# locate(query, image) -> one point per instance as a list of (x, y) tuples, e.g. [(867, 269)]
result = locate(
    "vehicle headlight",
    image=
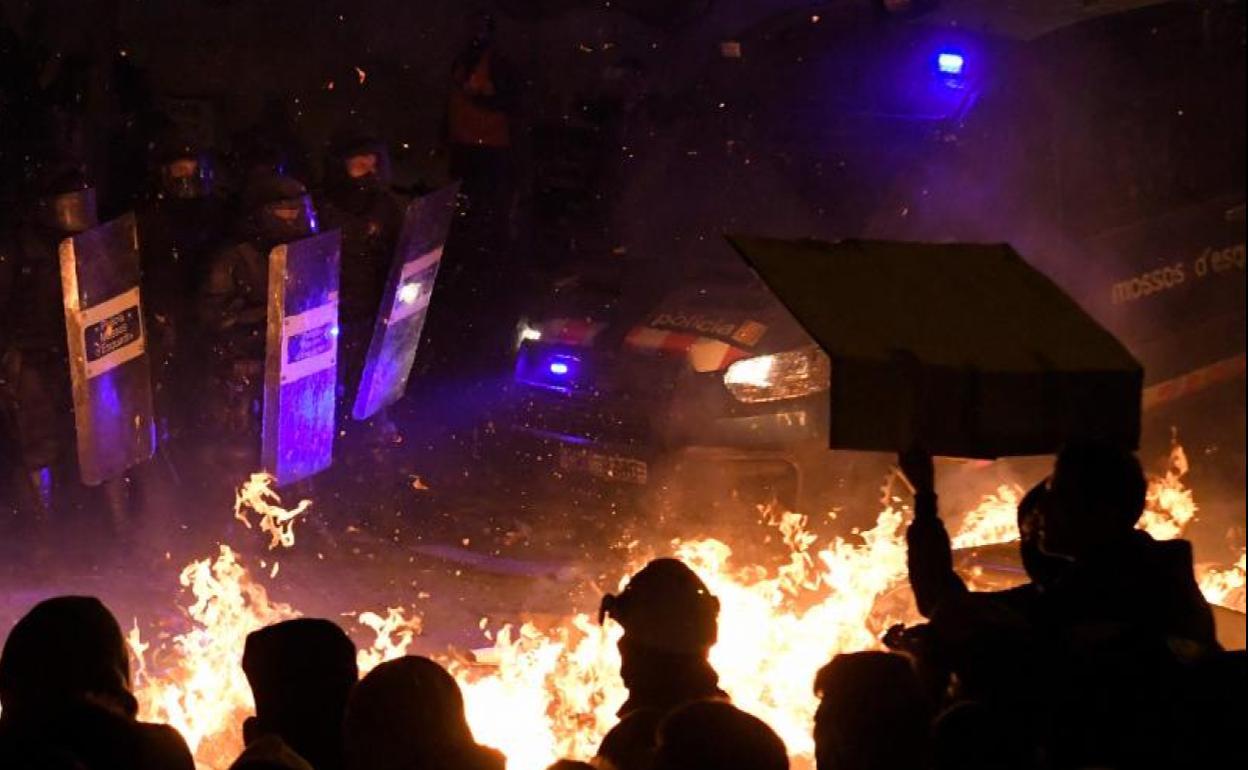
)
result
[(526, 333), (776, 377)]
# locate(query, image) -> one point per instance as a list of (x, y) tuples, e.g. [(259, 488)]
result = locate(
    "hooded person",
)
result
[(872, 715), (301, 673), (670, 620), (1126, 625), (1118, 573), (713, 735), (65, 691), (408, 714), (929, 552)]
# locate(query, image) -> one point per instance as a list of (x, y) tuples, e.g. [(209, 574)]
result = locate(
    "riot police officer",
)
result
[(357, 200), (180, 221), (34, 368), (233, 301)]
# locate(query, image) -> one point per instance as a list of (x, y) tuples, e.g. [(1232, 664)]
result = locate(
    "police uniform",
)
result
[(178, 224), (369, 218), (233, 301), (34, 367)]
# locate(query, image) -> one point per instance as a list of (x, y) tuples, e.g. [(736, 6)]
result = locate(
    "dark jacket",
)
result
[(933, 580), (35, 316), (1138, 583), (370, 224), (92, 737), (233, 303)]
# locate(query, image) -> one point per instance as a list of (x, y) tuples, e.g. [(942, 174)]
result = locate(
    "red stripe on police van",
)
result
[(1194, 381)]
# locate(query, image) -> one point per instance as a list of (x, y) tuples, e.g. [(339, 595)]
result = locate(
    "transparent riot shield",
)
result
[(396, 334), (112, 388), (301, 358)]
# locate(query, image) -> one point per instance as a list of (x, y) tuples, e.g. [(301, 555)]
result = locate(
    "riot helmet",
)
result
[(359, 162), (667, 608), (279, 209), (66, 203), (256, 153), (184, 170)]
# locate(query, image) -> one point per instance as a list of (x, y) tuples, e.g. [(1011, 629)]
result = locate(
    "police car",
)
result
[(706, 393), (951, 122)]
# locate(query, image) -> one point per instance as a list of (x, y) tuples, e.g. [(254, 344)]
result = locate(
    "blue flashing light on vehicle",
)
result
[(950, 63), (558, 371)]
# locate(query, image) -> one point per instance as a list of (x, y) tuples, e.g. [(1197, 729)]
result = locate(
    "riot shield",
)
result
[(409, 287), (301, 358), (109, 368)]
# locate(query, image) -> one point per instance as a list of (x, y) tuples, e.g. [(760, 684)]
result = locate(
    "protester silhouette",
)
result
[(1119, 574), (1090, 663), (670, 622), (873, 714), (65, 695), (301, 673), (713, 735), (929, 554), (408, 714)]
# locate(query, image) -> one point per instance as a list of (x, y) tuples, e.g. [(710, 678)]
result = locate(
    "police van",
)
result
[(1105, 141)]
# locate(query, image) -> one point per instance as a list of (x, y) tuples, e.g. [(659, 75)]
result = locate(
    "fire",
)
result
[(392, 635), (545, 692), (258, 495), (994, 520), (1169, 507), (196, 683), (561, 689), (1225, 587), (548, 694)]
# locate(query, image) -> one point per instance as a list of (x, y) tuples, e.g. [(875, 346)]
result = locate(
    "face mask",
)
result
[(186, 179), (71, 212)]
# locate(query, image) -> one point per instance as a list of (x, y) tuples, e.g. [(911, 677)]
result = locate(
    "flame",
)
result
[(543, 692), (196, 684), (257, 494), (550, 694), (1169, 506), (994, 520), (561, 689), (393, 634), (1225, 586)]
